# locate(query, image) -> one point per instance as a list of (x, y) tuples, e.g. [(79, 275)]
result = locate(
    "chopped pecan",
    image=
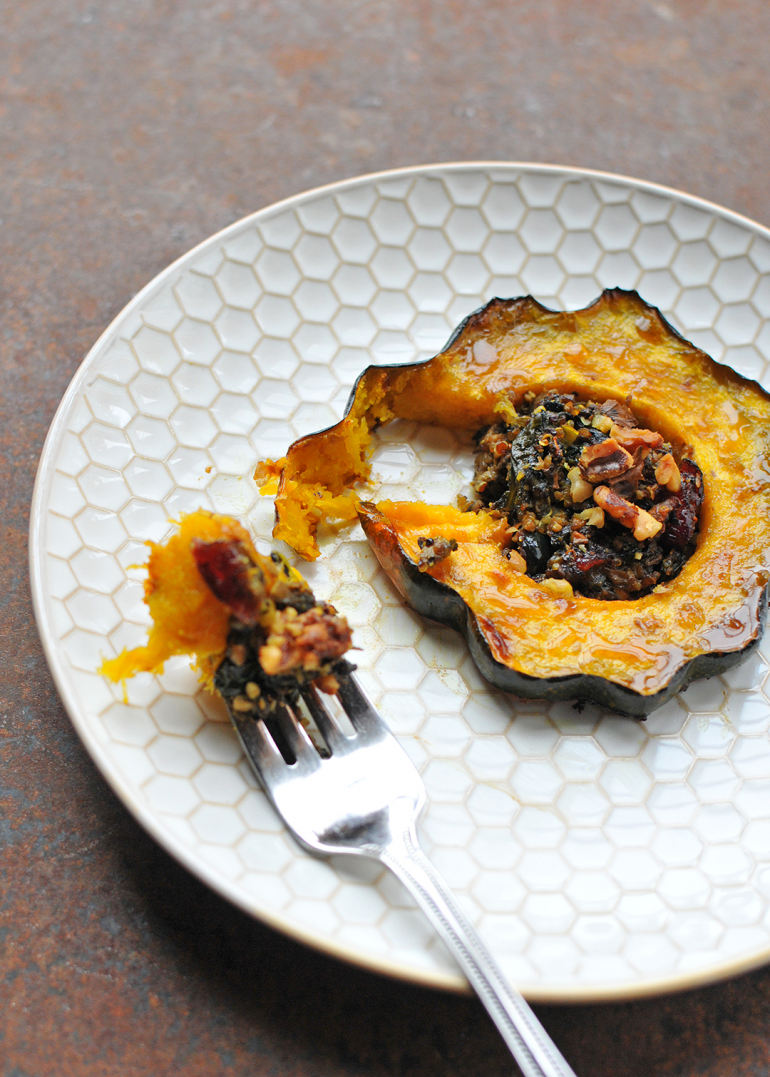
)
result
[(604, 460), (667, 473), (636, 438), (516, 560), (627, 484), (579, 489), (593, 516), (602, 422), (638, 520), (619, 412), (304, 640)]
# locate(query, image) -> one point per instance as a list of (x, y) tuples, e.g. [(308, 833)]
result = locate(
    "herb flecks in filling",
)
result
[(280, 639), (592, 496)]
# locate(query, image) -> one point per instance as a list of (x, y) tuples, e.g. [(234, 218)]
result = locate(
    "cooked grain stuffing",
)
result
[(254, 628), (592, 497), (281, 638)]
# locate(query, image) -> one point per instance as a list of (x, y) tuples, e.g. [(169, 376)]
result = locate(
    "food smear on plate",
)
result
[(252, 625), (624, 474)]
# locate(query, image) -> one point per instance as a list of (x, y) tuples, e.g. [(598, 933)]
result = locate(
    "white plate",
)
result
[(600, 857)]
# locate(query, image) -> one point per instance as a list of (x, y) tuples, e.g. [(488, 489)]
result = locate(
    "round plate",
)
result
[(600, 857)]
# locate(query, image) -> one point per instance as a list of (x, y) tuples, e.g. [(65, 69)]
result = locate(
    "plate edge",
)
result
[(565, 994)]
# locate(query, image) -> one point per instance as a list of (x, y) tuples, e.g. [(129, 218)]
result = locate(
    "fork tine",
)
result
[(297, 739), (260, 747), (369, 806), (330, 731), (364, 718)]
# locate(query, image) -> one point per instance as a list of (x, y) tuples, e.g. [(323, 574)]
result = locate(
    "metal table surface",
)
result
[(129, 132)]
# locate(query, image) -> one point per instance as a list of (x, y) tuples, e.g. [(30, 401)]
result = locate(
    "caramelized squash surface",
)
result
[(187, 618), (618, 348)]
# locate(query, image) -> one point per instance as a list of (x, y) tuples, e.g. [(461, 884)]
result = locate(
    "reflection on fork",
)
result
[(358, 793)]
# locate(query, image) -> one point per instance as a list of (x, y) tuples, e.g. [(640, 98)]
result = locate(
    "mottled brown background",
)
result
[(129, 131)]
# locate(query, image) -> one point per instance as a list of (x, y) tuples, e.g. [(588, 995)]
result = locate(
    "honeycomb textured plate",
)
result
[(599, 857)]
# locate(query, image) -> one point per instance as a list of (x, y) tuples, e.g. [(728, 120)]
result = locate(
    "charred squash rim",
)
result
[(740, 431)]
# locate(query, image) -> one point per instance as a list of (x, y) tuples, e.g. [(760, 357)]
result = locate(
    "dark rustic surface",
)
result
[(129, 132)]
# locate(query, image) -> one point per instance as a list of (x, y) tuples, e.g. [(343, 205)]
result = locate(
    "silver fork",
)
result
[(364, 800)]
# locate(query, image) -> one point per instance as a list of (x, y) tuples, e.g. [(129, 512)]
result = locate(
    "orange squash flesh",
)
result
[(187, 618), (543, 629), (700, 622)]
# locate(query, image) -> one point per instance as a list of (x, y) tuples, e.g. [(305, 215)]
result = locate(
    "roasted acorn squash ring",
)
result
[(532, 638)]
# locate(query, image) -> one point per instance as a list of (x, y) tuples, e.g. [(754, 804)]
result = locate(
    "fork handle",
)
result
[(530, 1044)]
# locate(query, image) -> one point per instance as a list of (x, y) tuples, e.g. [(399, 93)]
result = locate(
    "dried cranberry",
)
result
[(232, 576), (682, 523)]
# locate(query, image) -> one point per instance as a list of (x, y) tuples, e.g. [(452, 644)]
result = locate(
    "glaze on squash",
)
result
[(530, 637)]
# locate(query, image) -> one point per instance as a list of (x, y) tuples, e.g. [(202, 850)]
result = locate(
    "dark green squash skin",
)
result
[(439, 602), (436, 600)]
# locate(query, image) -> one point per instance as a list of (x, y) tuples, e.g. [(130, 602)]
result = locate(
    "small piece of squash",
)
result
[(533, 638), (187, 617)]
